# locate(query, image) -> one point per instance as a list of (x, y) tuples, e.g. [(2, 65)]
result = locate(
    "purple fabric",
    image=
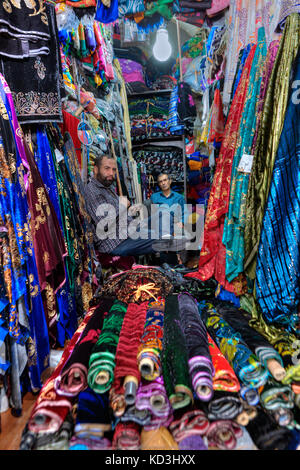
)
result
[(194, 442), (132, 71)]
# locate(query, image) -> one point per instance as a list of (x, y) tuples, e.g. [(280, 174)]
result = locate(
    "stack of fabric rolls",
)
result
[(153, 367)]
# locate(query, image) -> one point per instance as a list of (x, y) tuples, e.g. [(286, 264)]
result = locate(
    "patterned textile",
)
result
[(277, 288), (268, 140), (225, 378), (36, 82), (24, 29)]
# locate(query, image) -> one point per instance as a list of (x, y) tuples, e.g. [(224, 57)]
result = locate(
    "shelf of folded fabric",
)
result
[(148, 93), (147, 141)]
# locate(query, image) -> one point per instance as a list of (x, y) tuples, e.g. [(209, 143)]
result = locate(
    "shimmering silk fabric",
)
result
[(233, 237), (213, 252), (225, 378), (268, 139), (278, 258), (245, 364)]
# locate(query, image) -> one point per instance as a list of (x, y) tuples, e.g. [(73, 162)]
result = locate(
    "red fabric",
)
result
[(225, 378), (70, 124), (129, 341), (122, 262), (49, 404), (217, 126), (213, 252)]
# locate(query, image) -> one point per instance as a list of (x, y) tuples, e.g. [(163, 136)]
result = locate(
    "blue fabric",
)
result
[(278, 260), (107, 15)]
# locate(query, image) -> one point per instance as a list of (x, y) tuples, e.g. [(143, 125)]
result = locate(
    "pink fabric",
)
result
[(132, 71), (217, 6)]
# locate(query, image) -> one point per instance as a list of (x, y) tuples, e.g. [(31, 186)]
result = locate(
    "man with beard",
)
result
[(110, 217)]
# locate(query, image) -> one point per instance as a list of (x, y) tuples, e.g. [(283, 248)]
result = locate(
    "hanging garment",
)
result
[(245, 364), (233, 238), (107, 14), (200, 365), (224, 378), (74, 375), (50, 409), (277, 288), (24, 29), (35, 82), (175, 357), (150, 349), (268, 140), (213, 252), (126, 369), (102, 358)]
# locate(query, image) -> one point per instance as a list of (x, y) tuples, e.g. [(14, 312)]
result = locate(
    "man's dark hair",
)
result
[(98, 160)]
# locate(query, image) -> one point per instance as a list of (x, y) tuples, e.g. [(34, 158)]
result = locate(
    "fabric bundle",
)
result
[(199, 359), (50, 409), (224, 378), (152, 397), (237, 319), (245, 364), (275, 395), (175, 357), (93, 418), (138, 285), (150, 348), (158, 439), (224, 407), (127, 375), (126, 437), (141, 417), (102, 358), (223, 434), (189, 430), (74, 375)]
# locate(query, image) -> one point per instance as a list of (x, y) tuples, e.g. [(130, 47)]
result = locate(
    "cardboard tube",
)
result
[(157, 401), (203, 391), (130, 385), (242, 419), (146, 367), (276, 369), (102, 378)]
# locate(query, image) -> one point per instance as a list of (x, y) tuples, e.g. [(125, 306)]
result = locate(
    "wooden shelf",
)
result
[(149, 93)]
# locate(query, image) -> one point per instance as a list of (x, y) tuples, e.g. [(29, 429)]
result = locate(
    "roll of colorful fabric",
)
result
[(275, 395), (191, 423), (225, 378), (126, 369), (50, 409), (175, 357), (224, 407), (152, 397), (223, 434), (245, 364), (141, 417), (149, 360), (73, 378), (238, 319), (126, 437), (199, 359), (102, 358)]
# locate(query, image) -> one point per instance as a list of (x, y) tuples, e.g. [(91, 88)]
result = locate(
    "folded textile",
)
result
[(74, 375), (102, 358), (158, 439), (175, 357), (193, 442), (150, 348), (126, 436), (199, 359), (50, 409)]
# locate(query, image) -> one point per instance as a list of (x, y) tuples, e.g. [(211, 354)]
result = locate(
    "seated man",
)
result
[(114, 228)]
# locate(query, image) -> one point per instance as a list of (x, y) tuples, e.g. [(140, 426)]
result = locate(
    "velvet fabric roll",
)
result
[(199, 359), (223, 434), (158, 439), (50, 409), (126, 354), (224, 407), (102, 358), (225, 378), (276, 395), (175, 357), (152, 397), (149, 353), (73, 378), (192, 423), (193, 442), (141, 417), (126, 437), (245, 364), (93, 414)]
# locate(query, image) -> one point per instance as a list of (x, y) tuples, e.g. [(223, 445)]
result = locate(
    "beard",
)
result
[(105, 181)]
